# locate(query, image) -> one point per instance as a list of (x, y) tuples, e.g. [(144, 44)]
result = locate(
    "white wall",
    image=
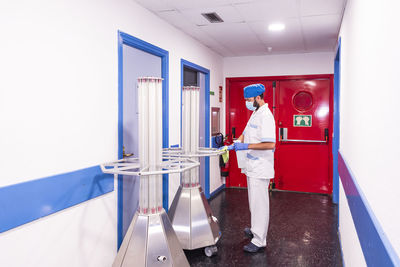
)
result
[(370, 93), (277, 65), (215, 173), (58, 107)]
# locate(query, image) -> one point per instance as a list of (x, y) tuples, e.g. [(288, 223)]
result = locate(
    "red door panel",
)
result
[(299, 165), (302, 165), (237, 119)]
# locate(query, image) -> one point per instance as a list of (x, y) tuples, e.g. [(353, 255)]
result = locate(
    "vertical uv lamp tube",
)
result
[(152, 131), (197, 132), (150, 153), (186, 131), (196, 171), (159, 145), (143, 144), (192, 129), (184, 137), (183, 134)]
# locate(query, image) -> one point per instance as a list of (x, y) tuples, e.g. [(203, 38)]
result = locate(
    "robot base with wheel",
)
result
[(190, 213), (193, 222)]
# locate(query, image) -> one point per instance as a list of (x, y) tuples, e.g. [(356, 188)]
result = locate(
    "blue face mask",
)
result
[(250, 106)]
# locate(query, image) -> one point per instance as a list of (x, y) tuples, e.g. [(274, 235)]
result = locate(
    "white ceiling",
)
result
[(311, 25)]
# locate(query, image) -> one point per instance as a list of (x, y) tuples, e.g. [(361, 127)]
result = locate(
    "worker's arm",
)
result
[(241, 138), (259, 146), (262, 146)]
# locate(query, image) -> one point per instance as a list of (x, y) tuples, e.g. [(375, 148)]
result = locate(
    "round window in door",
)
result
[(303, 101)]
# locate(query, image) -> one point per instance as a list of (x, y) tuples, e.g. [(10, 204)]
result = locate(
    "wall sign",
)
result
[(302, 120)]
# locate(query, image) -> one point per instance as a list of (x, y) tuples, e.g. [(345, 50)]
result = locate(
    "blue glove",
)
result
[(241, 146), (231, 147)]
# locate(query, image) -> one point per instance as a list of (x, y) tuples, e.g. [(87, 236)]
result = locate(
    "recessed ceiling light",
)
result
[(276, 27)]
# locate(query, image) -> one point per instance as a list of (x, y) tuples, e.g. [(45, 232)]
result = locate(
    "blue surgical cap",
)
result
[(253, 90)]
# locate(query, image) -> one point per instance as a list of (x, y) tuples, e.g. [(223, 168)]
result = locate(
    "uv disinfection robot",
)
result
[(150, 239), (190, 213)]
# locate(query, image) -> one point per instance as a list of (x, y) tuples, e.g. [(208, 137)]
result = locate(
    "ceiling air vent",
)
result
[(212, 17)]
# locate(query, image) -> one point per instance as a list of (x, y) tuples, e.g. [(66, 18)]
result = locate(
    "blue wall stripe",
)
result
[(185, 63), (25, 202), (375, 245), (124, 38)]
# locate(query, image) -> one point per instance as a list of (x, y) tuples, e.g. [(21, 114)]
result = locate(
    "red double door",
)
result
[(302, 107)]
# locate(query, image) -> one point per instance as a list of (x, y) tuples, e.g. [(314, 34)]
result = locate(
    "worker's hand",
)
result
[(241, 146)]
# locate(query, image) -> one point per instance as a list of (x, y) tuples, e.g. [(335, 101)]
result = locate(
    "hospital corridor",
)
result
[(177, 133)]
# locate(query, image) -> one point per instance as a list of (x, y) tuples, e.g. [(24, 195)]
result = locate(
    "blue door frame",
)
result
[(336, 125), (126, 39), (206, 72)]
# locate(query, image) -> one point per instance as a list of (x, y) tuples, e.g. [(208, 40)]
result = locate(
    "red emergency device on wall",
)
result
[(220, 141), (224, 166)]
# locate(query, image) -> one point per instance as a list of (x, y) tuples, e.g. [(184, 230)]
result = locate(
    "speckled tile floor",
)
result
[(302, 232)]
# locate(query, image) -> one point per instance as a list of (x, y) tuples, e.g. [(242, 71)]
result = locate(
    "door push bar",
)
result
[(283, 132)]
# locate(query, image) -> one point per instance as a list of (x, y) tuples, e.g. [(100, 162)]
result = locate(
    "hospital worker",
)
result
[(258, 143)]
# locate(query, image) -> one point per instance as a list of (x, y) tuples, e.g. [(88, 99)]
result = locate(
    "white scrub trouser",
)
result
[(259, 209)]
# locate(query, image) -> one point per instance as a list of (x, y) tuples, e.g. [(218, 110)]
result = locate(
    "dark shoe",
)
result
[(251, 248), (248, 233)]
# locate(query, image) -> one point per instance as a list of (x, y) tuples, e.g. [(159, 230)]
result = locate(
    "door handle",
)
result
[(326, 134), (233, 132), (283, 137), (124, 155)]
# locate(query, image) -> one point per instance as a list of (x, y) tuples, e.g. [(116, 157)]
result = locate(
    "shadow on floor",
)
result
[(302, 231)]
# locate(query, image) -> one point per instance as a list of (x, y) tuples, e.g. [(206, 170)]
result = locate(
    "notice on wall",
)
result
[(302, 120)]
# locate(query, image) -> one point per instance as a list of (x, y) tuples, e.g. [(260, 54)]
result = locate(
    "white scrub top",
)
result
[(260, 128)]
